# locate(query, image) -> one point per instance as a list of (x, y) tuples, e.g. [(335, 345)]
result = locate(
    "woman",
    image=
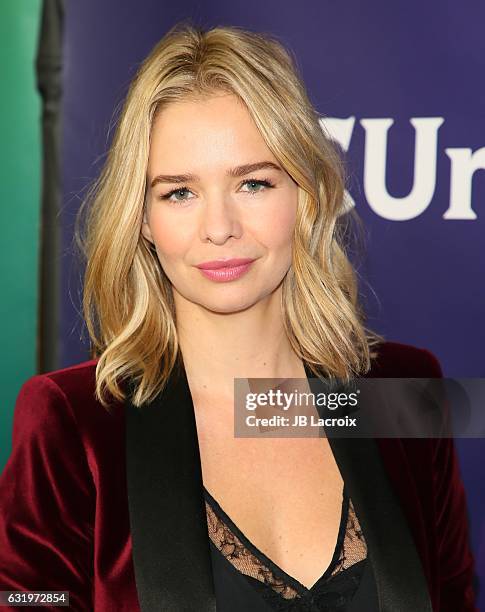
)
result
[(126, 485)]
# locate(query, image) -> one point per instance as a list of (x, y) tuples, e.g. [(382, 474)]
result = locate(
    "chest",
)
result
[(284, 494)]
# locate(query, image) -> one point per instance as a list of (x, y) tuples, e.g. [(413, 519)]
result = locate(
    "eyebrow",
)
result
[(233, 172)]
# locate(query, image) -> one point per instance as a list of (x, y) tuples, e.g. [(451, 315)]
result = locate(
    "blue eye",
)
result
[(168, 196), (258, 183)]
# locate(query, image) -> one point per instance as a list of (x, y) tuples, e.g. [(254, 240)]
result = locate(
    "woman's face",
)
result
[(205, 203)]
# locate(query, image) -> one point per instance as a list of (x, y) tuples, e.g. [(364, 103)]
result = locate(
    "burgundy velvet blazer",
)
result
[(109, 506)]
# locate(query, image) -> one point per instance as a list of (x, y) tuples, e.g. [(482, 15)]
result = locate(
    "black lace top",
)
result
[(246, 579)]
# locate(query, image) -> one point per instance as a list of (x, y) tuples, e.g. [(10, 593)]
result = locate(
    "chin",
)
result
[(228, 306)]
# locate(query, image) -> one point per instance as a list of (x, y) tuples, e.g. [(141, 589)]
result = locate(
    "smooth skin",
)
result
[(285, 494)]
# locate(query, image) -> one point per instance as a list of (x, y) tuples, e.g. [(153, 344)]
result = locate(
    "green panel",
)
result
[(20, 156)]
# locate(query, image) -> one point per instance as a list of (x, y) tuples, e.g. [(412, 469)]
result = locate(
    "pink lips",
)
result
[(225, 270)]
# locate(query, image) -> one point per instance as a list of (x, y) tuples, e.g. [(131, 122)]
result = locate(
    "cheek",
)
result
[(171, 239), (278, 224)]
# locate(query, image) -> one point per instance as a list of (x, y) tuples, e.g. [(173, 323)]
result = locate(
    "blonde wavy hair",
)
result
[(127, 298)]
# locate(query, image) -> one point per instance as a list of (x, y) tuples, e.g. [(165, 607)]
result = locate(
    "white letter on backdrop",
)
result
[(424, 183), (340, 130), (463, 166)]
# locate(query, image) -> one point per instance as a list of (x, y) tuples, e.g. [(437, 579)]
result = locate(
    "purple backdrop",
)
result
[(363, 64)]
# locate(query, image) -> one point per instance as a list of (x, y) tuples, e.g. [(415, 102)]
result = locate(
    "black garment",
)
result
[(347, 585)]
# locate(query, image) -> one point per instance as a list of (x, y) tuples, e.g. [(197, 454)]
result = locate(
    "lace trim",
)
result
[(350, 549)]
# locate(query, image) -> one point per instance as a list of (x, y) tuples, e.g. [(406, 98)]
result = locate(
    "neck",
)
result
[(218, 347)]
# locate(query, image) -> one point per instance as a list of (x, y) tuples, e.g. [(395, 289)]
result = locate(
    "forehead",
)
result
[(201, 109), (205, 131)]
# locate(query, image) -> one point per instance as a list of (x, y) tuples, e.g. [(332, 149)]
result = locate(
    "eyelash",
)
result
[(264, 182)]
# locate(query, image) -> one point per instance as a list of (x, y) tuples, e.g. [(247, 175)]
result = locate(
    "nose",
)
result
[(219, 220)]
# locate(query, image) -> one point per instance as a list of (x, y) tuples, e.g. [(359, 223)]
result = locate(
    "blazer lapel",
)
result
[(170, 541), (400, 581)]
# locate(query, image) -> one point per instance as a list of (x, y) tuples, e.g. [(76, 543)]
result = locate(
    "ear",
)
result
[(145, 228)]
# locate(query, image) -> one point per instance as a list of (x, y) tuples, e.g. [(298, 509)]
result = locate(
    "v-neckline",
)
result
[(276, 569), (163, 500)]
